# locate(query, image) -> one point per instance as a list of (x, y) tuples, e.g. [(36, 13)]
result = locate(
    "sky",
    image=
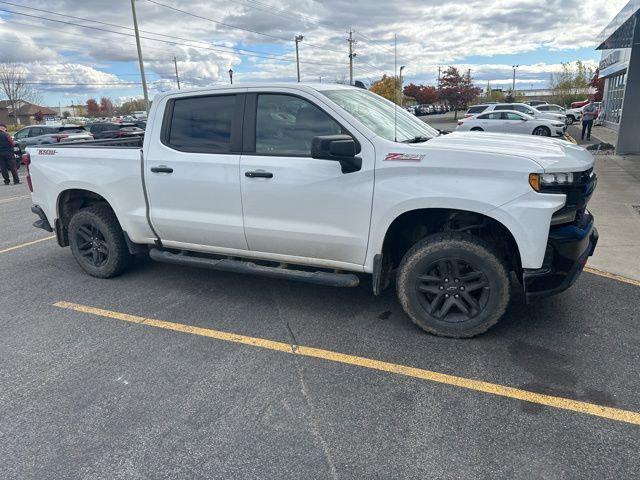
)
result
[(72, 50)]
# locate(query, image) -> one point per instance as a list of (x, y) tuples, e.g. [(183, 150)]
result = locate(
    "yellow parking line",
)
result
[(461, 382), (612, 276), (13, 199), (16, 247)]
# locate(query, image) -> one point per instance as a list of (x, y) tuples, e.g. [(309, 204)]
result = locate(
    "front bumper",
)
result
[(568, 249)]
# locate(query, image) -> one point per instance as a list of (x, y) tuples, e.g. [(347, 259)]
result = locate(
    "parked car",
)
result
[(519, 107), (322, 184), (49, 134), (579, 104), (102, 130), (573, 114), (511, 121), (535, 103)]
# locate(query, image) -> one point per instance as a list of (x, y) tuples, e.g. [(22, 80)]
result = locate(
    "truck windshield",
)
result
[(378, 114)]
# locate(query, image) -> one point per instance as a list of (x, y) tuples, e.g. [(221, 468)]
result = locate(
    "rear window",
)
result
[(72, 128), (477, 109), (201, 124)]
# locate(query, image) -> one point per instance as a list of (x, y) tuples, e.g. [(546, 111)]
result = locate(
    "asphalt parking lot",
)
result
[(170, 372)]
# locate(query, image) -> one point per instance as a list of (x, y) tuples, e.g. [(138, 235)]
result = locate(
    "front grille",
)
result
[(578, 195)]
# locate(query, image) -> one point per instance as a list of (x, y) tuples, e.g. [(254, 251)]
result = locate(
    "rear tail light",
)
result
[(26, 161), (59, 137)]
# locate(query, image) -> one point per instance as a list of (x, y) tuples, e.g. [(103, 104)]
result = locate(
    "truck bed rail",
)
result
[(127, 142)]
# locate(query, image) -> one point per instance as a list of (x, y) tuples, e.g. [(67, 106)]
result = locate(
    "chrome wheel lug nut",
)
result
[(461, 288), (456, 280), (446, 295), (441, 287), (446, 280), (456, 296)]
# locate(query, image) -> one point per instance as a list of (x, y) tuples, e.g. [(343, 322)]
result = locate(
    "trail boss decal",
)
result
[(404, 157), (46, 152)]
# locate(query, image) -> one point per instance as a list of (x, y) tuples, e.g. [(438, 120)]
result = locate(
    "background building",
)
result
[(620, 67)]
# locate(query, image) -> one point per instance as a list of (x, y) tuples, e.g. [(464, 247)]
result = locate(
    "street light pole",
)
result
[(298, 39), (142, 77), (231, 75), (513, 87)]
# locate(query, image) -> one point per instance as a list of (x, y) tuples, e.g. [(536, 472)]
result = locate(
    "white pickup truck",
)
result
[(325, 183)]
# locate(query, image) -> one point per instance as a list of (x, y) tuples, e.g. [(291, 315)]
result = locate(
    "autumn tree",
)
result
[(597, 83), (457, 90), (387, 87), (93, 109), (423, 94), (106, 107)]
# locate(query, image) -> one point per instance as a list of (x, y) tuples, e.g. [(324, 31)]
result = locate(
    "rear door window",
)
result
[(477, 109), (201, 124)]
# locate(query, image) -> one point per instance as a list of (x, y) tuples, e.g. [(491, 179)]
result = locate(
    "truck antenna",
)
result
[(395, 86)]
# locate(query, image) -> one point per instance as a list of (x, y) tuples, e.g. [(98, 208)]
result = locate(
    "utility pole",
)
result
[(439, 70), (175, 64), (352, 55), (513, 88), (231, 75), (469, 75), (143, 78), (298, 40)]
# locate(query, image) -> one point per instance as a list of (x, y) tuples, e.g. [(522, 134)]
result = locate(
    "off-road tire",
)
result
[(466, 248), (99, 218)]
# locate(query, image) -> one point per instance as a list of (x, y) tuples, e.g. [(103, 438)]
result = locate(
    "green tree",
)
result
[(571, 83)]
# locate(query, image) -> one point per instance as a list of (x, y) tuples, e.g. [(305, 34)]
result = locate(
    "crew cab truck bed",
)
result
[(327, 184)]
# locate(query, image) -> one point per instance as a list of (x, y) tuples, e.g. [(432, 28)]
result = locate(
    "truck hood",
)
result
[(553, 155)]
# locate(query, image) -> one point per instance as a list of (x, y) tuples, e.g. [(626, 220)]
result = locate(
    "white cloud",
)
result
[(430, 33)]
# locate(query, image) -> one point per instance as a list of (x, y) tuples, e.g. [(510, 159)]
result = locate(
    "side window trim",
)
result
[(251, 117)]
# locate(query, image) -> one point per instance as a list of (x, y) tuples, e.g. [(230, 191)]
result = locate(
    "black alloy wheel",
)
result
[(92, 244), (97, 241), (453, 290), (453, 284)]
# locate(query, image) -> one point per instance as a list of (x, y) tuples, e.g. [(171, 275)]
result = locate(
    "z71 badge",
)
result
[(404, 157)]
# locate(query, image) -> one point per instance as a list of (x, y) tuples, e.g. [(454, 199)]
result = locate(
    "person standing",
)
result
[(7, 157), (589, 114)]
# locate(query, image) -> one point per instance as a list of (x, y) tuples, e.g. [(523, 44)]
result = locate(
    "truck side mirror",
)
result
[(339, 148)]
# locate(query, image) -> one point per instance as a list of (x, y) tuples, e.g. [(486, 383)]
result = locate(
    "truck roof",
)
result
[(294, 85)]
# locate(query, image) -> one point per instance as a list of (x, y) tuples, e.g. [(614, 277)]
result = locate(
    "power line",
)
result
[(127, 28), (229, 49), (175, 9)]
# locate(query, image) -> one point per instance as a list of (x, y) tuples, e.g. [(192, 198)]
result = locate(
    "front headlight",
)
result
[(540, 181)]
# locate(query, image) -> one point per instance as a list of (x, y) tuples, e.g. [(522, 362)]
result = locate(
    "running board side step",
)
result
[(239, 266)]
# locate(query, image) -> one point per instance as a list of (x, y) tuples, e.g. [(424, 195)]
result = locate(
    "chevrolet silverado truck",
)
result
[(327, 184)]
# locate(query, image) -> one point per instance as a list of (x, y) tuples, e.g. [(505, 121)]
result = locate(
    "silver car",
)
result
[(522, 108), (48, 134), (511, 121)]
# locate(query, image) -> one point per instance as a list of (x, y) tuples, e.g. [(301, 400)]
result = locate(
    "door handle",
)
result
[(162, 169), (258, 174)]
